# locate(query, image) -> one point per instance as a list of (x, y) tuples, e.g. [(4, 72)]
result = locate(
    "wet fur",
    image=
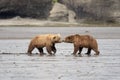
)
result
[(81, 41)]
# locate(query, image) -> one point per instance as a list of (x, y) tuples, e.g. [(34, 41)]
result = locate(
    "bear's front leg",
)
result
[(76, 48), (49, 50), (54, 49), (80, 50)]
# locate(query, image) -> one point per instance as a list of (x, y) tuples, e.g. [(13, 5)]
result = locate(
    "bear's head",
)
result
[(71, 38), (56, 38)]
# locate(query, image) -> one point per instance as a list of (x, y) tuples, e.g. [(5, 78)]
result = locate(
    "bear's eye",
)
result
[(69, 38), (54, 37)]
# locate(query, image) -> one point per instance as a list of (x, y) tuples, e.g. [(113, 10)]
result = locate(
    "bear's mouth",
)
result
[(65, 41), (58, 41)]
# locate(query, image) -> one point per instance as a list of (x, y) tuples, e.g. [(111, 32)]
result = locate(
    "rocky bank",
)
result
[(62, 10), (25, 8)]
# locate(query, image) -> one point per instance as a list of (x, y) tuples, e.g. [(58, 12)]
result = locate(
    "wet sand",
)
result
[(16, 65)]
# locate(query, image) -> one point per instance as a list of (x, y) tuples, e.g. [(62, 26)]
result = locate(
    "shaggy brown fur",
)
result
[(81, 41)]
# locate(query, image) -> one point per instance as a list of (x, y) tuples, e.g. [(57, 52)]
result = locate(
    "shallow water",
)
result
[(29, 32), (16, 65)]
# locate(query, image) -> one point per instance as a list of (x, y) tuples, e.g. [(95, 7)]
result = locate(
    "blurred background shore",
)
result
[(60, 12)]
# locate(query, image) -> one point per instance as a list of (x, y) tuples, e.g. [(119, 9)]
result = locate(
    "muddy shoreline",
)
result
[(16, 65), (63, 66)]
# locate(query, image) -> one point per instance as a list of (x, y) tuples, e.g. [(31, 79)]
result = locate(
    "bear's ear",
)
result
[(59, 35), (77, 35)]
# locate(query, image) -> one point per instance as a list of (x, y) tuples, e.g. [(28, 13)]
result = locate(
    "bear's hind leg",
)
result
[(88, 52), (96, 51), (30, 49)]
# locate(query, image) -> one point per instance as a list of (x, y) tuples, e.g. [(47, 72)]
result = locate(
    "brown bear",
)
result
[(46, 40), (81, 41)]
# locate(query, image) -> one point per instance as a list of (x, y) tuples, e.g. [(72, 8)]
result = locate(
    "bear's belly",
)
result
[(85, 44), (40, 45)]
